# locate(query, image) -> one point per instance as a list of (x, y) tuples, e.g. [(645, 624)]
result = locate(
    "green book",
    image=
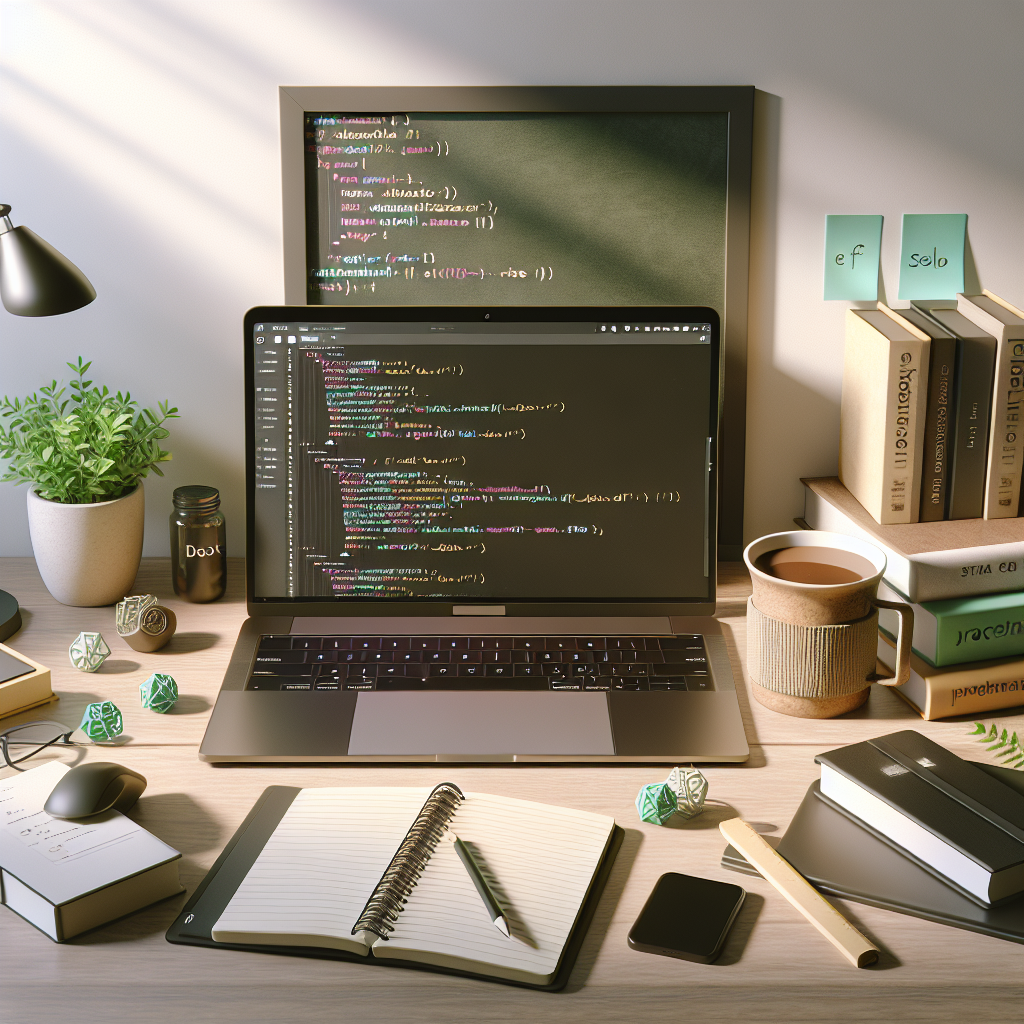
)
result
[(962, 629)]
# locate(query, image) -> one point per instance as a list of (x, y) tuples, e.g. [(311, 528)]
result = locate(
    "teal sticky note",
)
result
[(932, 259), (852, 247)]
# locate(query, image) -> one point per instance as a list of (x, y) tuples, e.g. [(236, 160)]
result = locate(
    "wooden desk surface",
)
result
[(774, 968)]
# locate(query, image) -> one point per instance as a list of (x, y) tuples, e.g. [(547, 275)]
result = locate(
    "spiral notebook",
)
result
[(360, 873)]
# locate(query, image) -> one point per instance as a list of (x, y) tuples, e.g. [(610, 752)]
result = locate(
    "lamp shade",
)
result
[(35, 279)]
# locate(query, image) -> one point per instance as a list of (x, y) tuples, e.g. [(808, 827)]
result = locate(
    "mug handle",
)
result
[(904, 638)]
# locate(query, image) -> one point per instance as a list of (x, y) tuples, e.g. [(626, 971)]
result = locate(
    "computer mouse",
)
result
[(94, 787)]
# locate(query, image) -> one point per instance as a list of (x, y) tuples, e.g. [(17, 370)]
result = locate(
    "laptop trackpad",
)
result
[(481, 723)]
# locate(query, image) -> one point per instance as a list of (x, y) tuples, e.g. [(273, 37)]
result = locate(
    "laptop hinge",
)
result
[(478, 609)]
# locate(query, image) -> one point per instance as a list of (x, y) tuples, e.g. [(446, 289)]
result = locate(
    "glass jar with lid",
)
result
[(198, 546)]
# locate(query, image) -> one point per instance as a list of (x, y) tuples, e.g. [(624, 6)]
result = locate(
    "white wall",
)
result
[(140, 138)]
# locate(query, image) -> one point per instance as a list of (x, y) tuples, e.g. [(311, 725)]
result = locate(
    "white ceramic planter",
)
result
[(88, 555)]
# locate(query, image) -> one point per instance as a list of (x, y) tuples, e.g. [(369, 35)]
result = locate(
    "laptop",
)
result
[(480, 535)]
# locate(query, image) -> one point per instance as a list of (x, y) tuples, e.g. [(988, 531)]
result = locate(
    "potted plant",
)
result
[(84, 457)]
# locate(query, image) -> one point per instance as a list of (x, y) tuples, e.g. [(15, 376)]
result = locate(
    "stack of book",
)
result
[(965, 580), (931, 410), (931, 453), (951, 817)]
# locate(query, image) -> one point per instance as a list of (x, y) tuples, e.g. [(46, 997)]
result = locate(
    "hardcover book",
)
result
[(962, 629), (840, 857), (975, 366), (1006, 440), (936, 442), (974, 689), (926, 561), (67, 877), (885, 381), (942, 811)]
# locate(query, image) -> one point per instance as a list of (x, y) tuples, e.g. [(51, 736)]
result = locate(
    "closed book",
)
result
[(942, 811), (67, 877), (975, 689), (925, 561), (935, 441), (24, 683), (975, 367), (961, 629), (885, 380), (1006, 440)]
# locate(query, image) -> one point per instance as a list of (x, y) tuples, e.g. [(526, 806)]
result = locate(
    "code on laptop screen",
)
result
[(562, 462)]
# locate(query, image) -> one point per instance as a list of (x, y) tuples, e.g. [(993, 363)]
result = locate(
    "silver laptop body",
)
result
[(480, 535)]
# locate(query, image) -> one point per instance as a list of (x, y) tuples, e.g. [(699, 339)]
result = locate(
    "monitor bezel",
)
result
[(735, 100), (346, 607)]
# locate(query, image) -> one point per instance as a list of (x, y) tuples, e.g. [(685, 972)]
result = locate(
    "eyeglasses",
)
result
[(39, 735)]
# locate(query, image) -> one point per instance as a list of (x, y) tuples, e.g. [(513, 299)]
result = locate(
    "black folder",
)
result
[(193, 925), (841, 858)]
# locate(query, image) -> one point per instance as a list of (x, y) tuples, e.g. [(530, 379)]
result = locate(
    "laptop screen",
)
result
[(524, 455)]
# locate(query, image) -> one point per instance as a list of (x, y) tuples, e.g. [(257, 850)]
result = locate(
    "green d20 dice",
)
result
[(690, 788), (88, 651), (656, 803), (102, 721), (159, 692)]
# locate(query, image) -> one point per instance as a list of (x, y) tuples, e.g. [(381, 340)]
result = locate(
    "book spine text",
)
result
[(975, 367), (902, 430), (975, 690), (935, 443), (1006, 447)]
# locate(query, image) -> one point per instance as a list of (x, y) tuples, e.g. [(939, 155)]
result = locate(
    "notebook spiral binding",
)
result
[(385, 902)]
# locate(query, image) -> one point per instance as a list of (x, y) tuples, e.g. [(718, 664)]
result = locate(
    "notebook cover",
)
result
[(194, 924), (13, 668), (949, 798), (960, 780), (841, 858)]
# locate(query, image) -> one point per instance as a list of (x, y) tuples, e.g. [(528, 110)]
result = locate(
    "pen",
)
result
[(777, 870), (498, 918)]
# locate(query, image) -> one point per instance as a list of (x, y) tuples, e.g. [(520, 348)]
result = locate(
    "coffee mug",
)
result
[(812, 622)]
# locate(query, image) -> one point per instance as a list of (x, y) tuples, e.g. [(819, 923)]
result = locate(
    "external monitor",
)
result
[(537, 196)]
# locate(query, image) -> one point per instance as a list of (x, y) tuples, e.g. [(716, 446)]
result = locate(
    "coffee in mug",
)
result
[(820, 566), (812, 622)]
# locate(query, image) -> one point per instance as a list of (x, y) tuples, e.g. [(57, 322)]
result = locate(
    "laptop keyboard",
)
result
[(481, 663)]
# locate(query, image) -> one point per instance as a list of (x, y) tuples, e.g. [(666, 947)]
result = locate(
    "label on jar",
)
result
[(191, 551)]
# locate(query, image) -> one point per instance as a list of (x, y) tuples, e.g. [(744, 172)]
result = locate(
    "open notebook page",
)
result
[(542, 859), (314, 876)]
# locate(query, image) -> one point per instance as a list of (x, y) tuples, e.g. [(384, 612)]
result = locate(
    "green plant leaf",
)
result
[(96, 448), (1012, 755), (1002, 742)]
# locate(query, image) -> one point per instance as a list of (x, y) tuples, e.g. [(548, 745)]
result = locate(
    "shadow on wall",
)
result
[(789, 409), (777, 404)]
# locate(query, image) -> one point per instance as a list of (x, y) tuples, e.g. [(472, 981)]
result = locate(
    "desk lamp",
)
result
[(35, 280)]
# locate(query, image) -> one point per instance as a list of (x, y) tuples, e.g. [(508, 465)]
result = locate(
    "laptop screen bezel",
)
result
[(443, 608)]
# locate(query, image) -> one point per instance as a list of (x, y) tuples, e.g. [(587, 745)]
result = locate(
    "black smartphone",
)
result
[(687, 917)]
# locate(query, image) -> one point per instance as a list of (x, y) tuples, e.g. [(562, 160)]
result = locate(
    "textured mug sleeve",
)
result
[(810, 661)]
